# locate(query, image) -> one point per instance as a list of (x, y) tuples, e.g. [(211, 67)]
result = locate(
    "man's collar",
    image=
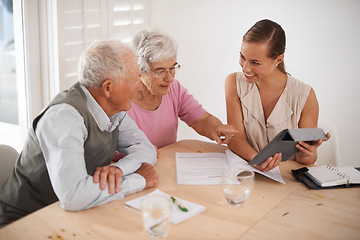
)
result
[(104, 122)]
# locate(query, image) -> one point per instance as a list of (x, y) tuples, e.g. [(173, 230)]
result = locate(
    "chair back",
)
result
[(329, 152), (8, 156)]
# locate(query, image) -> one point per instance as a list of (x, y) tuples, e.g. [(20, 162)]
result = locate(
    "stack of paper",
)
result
[(206, 168), (178, 216)]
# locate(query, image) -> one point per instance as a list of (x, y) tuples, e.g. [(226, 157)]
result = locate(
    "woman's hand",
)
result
[(270, 163), (211, 127), (157, 151), (223, 134), (307, 153)]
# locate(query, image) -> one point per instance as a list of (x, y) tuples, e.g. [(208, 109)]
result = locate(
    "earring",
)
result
[(276, 65)]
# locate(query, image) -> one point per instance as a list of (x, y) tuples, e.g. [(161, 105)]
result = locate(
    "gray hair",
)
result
[(103, 60), (153, 46)]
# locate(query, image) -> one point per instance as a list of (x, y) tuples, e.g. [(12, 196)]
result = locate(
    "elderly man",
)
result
[(68, 153)]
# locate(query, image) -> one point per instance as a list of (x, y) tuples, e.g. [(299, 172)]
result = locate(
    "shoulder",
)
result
[(62, 112), (231, 76), (295, 85), (59, 115), (233, 79), (177, 91), (235, 76), (230, 84), (236, 82), (176, 86), (300, 93)]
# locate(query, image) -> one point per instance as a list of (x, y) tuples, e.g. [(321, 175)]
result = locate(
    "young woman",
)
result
[(264, 99)]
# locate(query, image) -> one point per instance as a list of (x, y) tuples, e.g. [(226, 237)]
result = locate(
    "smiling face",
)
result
[(255, 63), (159, 86)]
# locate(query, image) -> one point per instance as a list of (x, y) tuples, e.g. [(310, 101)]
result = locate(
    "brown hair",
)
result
[(271, 32)]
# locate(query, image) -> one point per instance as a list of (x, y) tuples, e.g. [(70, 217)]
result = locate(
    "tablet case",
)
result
[(285, 142), (300, 176)]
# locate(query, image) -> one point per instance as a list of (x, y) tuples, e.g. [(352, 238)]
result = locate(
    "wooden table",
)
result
[(273, 210)]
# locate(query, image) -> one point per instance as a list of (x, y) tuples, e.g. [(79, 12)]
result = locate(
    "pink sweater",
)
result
[(160, 125)]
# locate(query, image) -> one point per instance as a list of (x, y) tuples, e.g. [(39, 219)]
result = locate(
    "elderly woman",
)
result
[(162, 99)]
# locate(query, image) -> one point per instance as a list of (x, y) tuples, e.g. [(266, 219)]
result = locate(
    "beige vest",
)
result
[(286, 113)]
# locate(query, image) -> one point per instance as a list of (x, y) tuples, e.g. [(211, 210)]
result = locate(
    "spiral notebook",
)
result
[(328, 175)]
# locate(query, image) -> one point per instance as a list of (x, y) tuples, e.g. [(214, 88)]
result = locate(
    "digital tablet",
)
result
[(285, 142)]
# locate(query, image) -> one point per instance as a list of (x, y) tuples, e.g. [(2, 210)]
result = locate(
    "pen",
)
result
[(132, 208), (181, 207)]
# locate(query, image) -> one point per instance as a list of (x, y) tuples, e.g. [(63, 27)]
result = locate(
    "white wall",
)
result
[(323, 50)]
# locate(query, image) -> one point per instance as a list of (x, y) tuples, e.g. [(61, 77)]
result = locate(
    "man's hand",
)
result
[(109, 175), (149, 173)]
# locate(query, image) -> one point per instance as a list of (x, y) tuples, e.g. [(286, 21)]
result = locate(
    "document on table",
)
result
[(206, 168), (200, 168)]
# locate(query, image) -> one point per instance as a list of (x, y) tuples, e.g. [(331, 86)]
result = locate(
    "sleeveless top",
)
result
[(286, 113), (29, 188)]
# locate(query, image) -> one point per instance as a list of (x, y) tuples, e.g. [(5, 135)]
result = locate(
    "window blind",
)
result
[(81, 22)]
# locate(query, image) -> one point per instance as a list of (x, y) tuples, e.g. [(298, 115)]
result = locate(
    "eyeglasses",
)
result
[(162, 73)]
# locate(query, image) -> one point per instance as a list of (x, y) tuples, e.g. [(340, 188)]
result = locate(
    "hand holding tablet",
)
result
[(285, 142)]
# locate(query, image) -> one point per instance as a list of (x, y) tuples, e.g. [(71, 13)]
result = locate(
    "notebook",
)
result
[(328, 175)]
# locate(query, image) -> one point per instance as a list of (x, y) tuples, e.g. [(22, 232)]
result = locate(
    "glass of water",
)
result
[(237, 185), (156, 213)]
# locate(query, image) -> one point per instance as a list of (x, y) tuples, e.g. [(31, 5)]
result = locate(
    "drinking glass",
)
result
[(237, 185), (156, 212)]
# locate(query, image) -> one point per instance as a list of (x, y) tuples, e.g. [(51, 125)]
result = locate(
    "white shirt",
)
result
[(61, 133)]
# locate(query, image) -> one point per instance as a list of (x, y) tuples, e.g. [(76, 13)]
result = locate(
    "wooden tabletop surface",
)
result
[(273, 210)]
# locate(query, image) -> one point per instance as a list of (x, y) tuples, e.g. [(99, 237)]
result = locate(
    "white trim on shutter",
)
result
[(78, 23), (128, 17)]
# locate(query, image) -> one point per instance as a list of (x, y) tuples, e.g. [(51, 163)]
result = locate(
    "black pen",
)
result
[(181, 207)]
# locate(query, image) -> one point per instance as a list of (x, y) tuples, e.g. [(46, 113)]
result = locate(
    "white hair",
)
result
[(153, 46), (103, 60)]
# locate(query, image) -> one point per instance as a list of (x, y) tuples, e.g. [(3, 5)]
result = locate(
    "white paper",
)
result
[(206, 168), (237, 162), (351, 173), (178, 216), (200, 168)]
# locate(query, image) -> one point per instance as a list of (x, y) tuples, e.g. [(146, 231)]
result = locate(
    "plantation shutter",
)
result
[(81, 22)]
